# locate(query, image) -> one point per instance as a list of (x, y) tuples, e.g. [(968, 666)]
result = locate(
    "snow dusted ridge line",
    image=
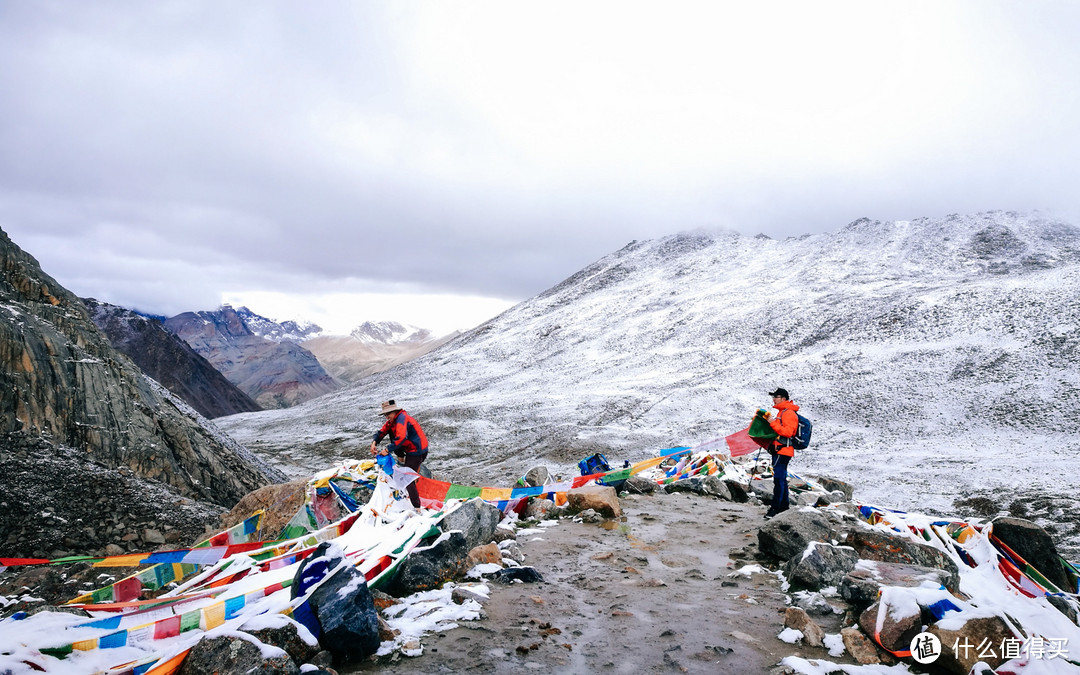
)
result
[(936, 357)]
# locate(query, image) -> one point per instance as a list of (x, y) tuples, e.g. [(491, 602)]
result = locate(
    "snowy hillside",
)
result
[(938, 359)]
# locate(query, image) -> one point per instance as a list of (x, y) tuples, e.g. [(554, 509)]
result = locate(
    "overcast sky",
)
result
[(435, 162)]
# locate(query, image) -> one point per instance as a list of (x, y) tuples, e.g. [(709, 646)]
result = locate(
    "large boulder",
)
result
[(475, 519), (898, 626), (537, 476), (716, 487), (820, 566), (861, 648), (832, 484), (527, 575), (236, 655), (345, 610), (797, 618), (1033, 544), (640, 485), (599, 498), (712, 486), (537, 508), (874, 544), (489, 554), (430, 567), (788, 534), (278, 630), (738, 490), (862, 585), (762, 489), (278, 502)]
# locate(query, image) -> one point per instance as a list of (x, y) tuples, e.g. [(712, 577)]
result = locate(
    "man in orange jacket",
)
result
[(407, 440), (785, 424)]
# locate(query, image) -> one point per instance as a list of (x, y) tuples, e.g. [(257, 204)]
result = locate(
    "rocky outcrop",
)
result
[(1034, 545), (61, 379), (235, 655), (169, 360), (599, 498), (57, 501), (276, 374)]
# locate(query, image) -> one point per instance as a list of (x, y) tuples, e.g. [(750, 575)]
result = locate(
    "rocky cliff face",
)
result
[(61, 380), (276, 374), (169, 360)]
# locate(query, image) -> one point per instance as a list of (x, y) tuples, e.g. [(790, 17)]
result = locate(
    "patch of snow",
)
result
[(790, 635)]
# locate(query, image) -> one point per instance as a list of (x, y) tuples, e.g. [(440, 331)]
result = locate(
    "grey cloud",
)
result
[(201, 144)]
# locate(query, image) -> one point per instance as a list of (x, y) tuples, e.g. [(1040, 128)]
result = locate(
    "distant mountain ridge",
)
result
[(372, 347), (389, 333), (937, 357), (256, 354), (289, 330), (161, 354)]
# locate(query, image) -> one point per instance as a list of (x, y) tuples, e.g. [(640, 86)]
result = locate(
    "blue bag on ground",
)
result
[(594, 464), (598, 464)]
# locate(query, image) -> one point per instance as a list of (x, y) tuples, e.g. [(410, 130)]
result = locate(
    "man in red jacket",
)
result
[(407, 441), (785, 424)]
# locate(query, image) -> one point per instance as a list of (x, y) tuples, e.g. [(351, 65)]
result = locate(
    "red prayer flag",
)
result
[(167, 628), (740, 443), (127, 589), (433, 490)]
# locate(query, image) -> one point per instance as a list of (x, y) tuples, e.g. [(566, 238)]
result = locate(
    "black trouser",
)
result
[(780, 483), (413, 460)]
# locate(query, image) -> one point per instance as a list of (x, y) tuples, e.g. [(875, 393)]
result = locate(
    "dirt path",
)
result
[(650, 593)]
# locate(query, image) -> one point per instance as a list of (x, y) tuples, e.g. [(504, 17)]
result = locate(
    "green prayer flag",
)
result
[(759, 428)]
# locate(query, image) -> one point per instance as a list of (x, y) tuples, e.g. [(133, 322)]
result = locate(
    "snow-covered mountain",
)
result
[(372, 348), (277, 331), (389, 333), (938, 359)]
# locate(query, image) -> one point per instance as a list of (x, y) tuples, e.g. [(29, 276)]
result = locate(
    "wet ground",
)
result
[(652, 592)]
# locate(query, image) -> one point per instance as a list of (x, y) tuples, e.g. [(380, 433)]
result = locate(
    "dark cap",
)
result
[(779, 392)]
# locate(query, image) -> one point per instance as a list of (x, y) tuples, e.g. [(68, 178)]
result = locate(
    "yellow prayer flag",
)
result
[(214, 616), (131, 560), (495, 494)]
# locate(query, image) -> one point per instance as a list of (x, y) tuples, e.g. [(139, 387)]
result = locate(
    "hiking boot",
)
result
[(770, 514)]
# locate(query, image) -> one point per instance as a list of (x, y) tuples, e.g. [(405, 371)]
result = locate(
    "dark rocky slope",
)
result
[(63, 384), (169, 360)]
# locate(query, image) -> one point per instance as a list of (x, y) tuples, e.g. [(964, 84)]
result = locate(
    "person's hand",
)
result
[(373, 447)]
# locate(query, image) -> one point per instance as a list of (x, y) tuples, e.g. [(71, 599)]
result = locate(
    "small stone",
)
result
[(859, 646)]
